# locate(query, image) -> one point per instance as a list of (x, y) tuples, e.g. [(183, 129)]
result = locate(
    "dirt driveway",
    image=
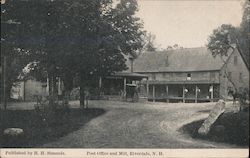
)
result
[(139, 125)]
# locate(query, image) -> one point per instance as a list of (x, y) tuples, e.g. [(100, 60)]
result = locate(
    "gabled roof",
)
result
[(182, 60)]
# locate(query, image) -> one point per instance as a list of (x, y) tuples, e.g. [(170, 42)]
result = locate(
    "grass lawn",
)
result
[(230, 128), (37, 130)]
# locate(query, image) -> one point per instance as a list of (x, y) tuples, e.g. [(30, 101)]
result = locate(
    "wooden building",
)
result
[(27, 89), (191, 74), (116, 84)]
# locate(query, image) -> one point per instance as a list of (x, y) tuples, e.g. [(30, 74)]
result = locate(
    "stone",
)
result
[(13, 131), (218, 109), (13, 137)]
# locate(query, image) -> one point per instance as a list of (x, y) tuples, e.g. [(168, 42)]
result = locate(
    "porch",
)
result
[(115, 86), (186, 92)]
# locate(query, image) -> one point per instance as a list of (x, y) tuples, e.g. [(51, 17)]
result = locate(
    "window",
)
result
[(240, 76), (188, 76), (235, 60)]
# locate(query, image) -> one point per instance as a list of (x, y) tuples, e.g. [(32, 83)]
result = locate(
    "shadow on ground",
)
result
[(230, 128), (38, 131)]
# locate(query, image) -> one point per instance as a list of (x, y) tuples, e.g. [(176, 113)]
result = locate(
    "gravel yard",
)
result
[(139, 125)]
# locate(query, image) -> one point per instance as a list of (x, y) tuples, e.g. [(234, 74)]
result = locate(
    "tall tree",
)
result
[(39, 34), (244, 30), (222, 39), (15, 57), (85, 38), (150, 42), (106, 33), (224, 36), (220, 42)]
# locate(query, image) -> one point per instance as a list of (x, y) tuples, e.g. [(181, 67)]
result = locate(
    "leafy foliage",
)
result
[(16, 58), (225, 35), (76, 38), (150, 42), (221, 39), (244, 32)]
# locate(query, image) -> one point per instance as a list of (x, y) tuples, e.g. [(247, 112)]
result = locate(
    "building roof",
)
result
[(181, 60)]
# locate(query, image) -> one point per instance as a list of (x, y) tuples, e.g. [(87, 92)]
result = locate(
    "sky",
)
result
[(187, 23)]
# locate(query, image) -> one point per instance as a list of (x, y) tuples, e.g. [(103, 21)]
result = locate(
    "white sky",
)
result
[(187, 22)]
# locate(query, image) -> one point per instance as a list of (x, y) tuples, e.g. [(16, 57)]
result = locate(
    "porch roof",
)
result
[(180, 82), (130, 74)]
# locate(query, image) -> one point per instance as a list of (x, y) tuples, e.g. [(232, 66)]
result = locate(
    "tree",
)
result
[(78, 38), (11, 54), (220, 42), (109, 33), (150, 42), (222, 39), (169, 48), (224, 36), (244, 39), (174, 47), (43, 35)]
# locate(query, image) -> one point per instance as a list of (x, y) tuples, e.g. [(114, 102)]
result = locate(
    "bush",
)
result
[(229, 128), (236, 127), (75, 94), (51, 114)]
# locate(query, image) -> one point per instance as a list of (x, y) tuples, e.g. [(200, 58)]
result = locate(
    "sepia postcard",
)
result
[(124, 79)]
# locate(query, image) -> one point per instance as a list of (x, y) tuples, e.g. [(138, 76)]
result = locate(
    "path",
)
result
[(139, 125)]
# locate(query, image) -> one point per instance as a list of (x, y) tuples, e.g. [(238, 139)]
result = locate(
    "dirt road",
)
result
[(139, 125)]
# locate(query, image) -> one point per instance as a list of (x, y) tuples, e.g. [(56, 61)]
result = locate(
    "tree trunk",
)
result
[(67, 86), (66, 97), (52, 89), (82, 94)]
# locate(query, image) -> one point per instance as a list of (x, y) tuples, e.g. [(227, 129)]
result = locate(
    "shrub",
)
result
[(236, 127), (75, 94), (51, 114), (229, 128)]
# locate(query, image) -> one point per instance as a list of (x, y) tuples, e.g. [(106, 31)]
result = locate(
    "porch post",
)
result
[(100, 82), (167, 93), (124, 85), (25, 91), (196, 93), (153, 93), (183, 93), (147, 88), (59, 89), (212, 93), (100, 86), (47, 88)]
